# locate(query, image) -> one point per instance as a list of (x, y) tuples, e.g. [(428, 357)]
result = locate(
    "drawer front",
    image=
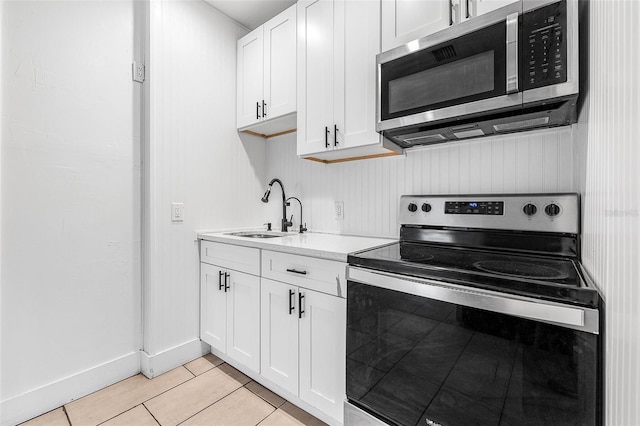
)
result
[(238, 258), (326, 276)]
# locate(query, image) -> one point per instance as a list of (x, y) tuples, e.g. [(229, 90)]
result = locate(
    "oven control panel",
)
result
[(474, 207), (525, 212)]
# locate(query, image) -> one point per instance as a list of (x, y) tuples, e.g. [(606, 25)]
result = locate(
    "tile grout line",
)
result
[(229, 394), (143, 403), (210, 405), (64, 410), (146, 400), (151, 414)]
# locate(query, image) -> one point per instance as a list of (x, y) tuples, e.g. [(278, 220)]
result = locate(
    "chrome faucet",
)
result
[(302, 228), (265, 199)]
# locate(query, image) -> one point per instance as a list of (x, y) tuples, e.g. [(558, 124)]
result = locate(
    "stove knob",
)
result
[(552, 210), (530, 209), (412, 207), (426, 207)]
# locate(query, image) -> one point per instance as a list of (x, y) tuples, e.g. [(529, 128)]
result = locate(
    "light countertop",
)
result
[(325, 246)]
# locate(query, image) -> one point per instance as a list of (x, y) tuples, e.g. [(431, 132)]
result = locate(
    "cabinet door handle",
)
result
[(264, 108), (220, 274), (295, 271), (468, 15), (291, 306), (335, 135), (257, 110), (326, 137), (300, 310), (450, 12), (226, 281)]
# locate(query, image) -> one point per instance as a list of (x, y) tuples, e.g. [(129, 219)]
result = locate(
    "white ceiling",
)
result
[(251, 13)]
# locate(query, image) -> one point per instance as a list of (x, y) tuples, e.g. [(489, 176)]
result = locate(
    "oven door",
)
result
[(427, 353), (465, 69)]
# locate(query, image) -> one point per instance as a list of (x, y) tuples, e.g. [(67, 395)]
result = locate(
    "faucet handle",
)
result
[(289, 222)]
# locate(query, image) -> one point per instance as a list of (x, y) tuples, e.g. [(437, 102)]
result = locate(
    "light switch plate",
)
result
[(177, 212), (339, 210)]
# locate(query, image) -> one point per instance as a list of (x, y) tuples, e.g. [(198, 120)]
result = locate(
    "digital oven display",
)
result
[(474, 207)]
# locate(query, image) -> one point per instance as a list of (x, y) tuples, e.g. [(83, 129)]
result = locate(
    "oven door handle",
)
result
[(574, 317)]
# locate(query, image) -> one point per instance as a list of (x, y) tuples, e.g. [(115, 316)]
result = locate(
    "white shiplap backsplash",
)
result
[(541, 161), (608, 132), (194, 156)]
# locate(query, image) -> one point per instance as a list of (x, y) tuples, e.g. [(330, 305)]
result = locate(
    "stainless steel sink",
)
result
[(258, 234)]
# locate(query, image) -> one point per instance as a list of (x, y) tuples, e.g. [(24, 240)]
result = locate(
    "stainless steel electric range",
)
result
[(481, 314)]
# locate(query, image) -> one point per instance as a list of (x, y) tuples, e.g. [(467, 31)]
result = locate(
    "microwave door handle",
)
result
[(512, 53)]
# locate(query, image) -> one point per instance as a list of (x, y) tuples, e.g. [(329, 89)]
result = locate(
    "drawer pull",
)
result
[(291, 307), (220, 280), (300, 310), (297, 272), (226, 282)]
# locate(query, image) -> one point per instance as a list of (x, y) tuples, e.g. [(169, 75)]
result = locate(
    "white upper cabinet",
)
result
[(480, 7), (338, 42), (406, 20), (250, 80), (267, 76), (315, 75)]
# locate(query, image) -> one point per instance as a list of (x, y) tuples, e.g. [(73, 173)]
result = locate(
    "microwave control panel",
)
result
[(544, 48)]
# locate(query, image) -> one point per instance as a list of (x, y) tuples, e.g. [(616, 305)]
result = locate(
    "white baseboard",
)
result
[(154, 365), (53, 395)]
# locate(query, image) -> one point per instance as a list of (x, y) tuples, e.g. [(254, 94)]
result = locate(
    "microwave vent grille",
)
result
[(445, 53), (520, 125), (425, 139)]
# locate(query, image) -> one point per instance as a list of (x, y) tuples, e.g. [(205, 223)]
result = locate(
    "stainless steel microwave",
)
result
[(513, 69)]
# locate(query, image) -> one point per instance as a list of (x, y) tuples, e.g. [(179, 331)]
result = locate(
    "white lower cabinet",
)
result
[(322, 352), (230, 310), (303, 344), (279, 334), (283, 316)]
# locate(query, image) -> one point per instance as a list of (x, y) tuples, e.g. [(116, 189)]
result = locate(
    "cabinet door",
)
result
[(315, 76), (279, 334), (357, 44), (250, 78), (323, 352), (280, 64), (213, 306), (480, 7), (243, 319), (406, 20)]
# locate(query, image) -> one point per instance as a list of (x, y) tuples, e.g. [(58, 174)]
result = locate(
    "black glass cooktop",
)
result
[(543, 277)]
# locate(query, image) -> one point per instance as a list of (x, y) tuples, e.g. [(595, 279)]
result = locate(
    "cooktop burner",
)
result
[(551, 278), (521, 269), (417, 257)]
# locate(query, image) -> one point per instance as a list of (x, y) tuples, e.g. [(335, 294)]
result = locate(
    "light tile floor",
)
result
[(206, 391)]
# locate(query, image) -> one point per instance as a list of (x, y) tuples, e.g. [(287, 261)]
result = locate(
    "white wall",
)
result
[(608, 137), (71, 316), (541, 161), (195, 157)]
